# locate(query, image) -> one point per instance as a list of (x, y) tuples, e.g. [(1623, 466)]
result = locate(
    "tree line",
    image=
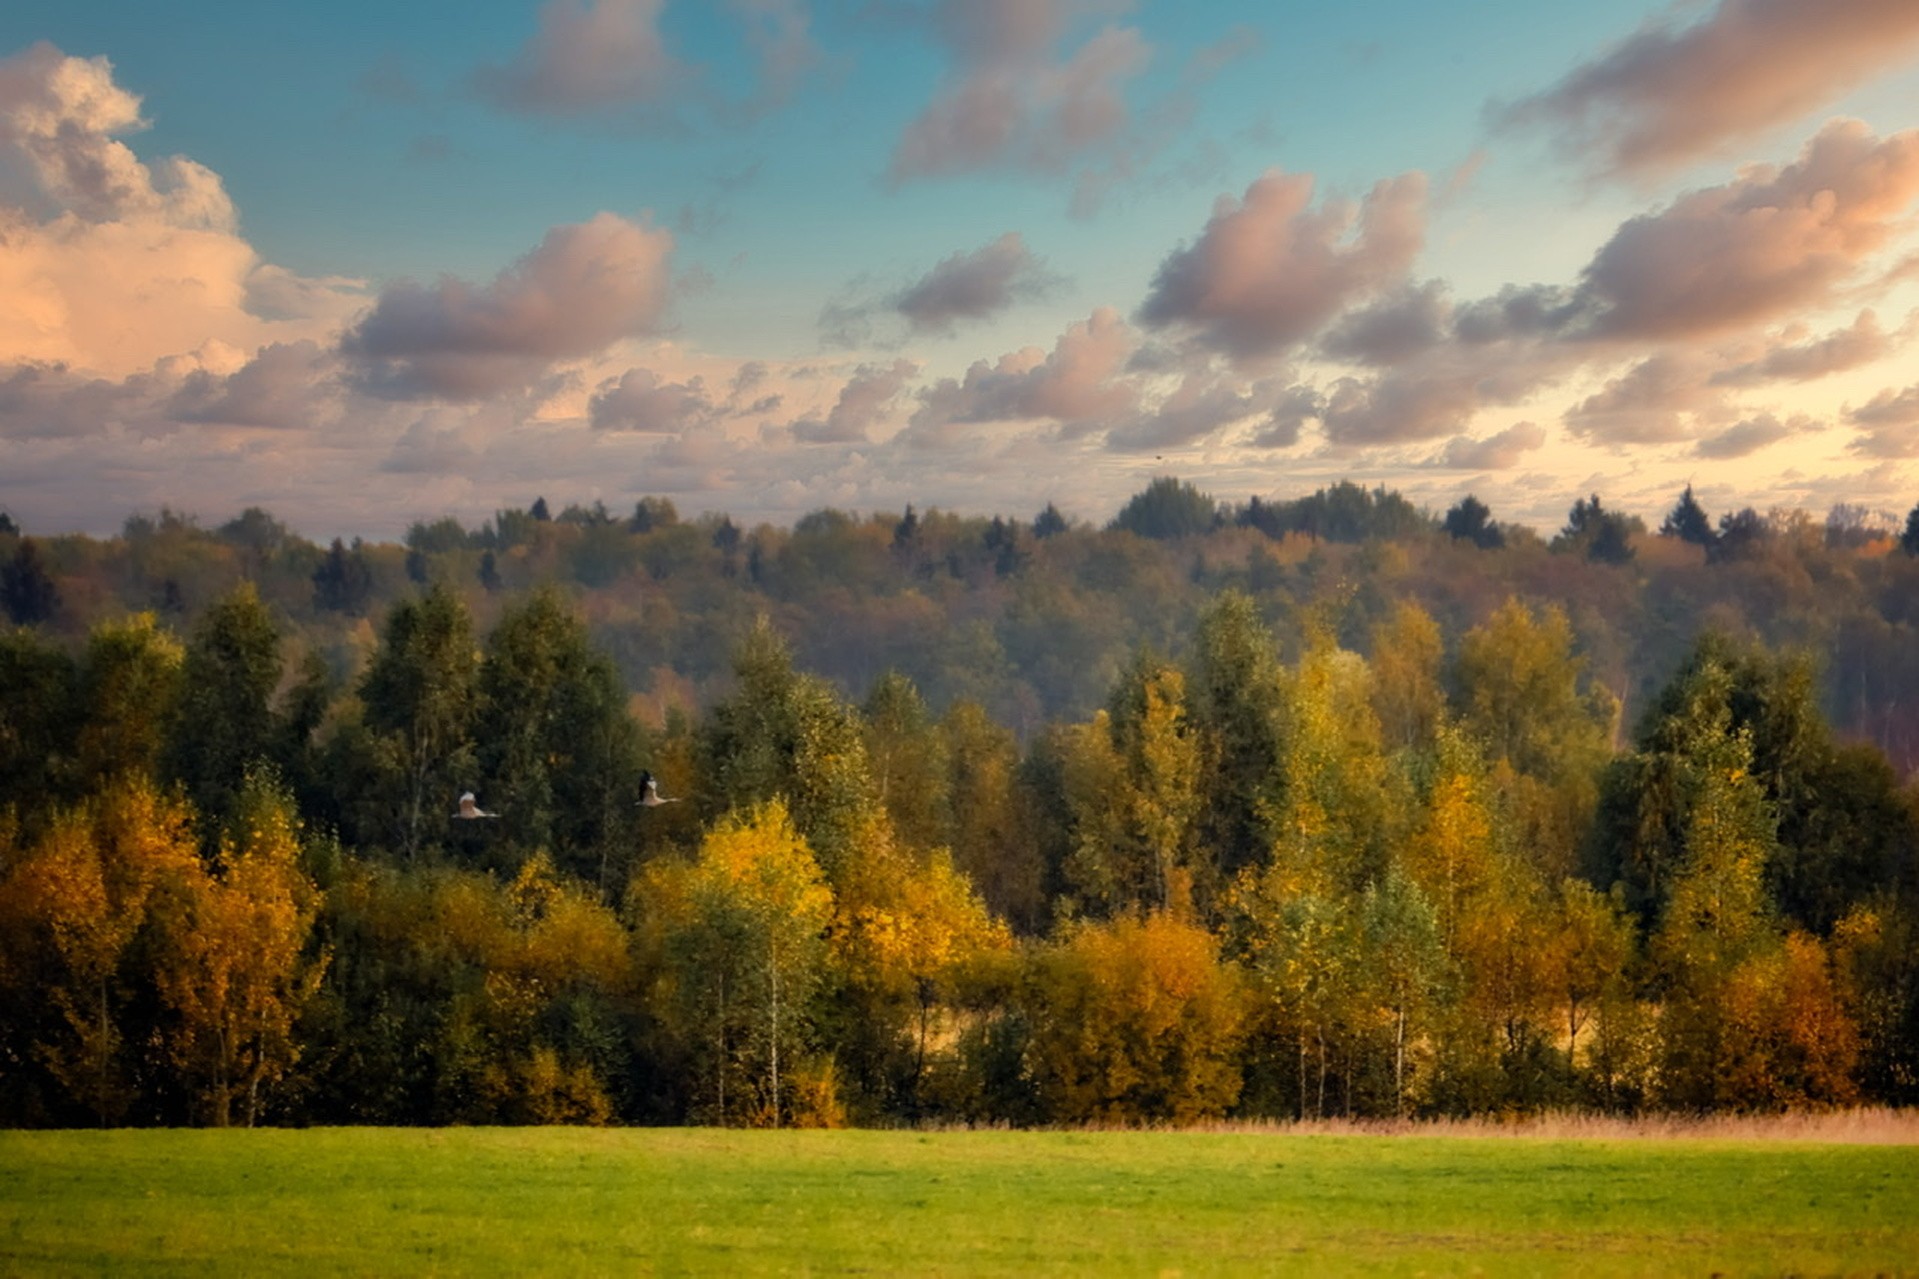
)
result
[(1273, 873)]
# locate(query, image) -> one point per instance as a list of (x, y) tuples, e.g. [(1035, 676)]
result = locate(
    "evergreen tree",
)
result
[(343, 582), (1048, 522), (1909, 539), (1688, 522), (1167, 509), (26, 590), (1471, 520)]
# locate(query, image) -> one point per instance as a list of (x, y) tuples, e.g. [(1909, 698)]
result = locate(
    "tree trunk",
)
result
[(1399, 1063), (773, 970)]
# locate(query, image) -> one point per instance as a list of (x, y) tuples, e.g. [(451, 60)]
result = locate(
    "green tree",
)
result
[(39, 686), (1522, 690), (558, 753), (1597, 533), (1909, 536), (27, 591), (343, 581), (1689, 522), (1471, 520), (419, 692), (907, 760), (225, 723), (1168, 508), (1404, 964), (130, 679), (1235, 700)]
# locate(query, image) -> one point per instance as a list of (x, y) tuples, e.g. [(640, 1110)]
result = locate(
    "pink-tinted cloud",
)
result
[(1670, 94), (1082, 382), (1770, 243), (585, 287), (588, 56), (1656, 401), (641, 401), (1749, 436), (1889, 424), (1014, 101), (1500, 452), (974, 286), (1204, 403), (862, 404), (108, 264), (1393, 329), (286, 386), (1270, 270), (1860, 343)]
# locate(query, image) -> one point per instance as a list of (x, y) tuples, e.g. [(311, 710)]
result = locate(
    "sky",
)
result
[(366, 265)]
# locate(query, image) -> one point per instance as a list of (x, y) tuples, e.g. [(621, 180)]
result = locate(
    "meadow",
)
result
[(638, 1201)]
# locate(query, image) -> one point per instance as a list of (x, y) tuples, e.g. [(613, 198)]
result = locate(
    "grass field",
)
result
[(457, 1201)]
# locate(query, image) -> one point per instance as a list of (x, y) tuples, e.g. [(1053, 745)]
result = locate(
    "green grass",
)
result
[(456, 1201)]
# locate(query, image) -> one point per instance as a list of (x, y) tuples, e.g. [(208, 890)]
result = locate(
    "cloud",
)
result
[(1771, 242), (1081, 382), (1412, 319), (588, 56), (108, 264), (1499, 452), (641, 401), (1749, 436), (285, 386), (607, 60), (1654, 402), (862, 404), (1205, 402), (1013, 101), (49, 401), (1269, 270), (1859, 344), (1891, 424), (585, 287), (973, 286), (1669, 94)]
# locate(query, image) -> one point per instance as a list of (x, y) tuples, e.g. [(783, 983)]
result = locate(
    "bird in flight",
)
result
[(650, 796), (469, 808)]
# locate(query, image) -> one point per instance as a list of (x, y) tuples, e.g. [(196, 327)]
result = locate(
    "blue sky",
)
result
[(768, 255)]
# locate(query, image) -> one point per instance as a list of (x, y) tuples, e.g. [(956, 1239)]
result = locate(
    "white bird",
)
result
[(652, 797), (469, 808)]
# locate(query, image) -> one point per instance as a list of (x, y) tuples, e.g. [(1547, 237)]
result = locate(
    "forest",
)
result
[(1323, 806)]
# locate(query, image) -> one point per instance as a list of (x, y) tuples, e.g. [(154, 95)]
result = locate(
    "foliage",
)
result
[(1166, 509)]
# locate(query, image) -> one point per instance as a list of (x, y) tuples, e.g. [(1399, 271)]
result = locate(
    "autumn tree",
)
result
[(236, 970), (1408, 696), (741, 931), (1134, 1020), (76, 917), (130, 678)]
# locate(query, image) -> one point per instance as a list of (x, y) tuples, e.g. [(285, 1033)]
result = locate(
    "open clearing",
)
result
[(721, 1201)]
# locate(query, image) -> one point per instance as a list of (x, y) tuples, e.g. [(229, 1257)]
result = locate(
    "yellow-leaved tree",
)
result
[(236, 968), (1135, 1020), (70, 914), (741, 938)]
